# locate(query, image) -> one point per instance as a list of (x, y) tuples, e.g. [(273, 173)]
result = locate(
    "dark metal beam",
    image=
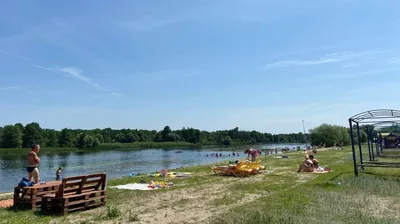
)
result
[(359, 145), (352, 148), (369, 145)]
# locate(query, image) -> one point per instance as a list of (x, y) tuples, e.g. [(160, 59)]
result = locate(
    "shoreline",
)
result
[(3, 193), (10, 193)]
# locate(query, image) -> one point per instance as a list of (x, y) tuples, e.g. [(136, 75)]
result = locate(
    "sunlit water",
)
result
[(113, 162)]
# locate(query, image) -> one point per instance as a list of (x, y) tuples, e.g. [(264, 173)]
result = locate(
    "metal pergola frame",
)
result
[(378, 118)]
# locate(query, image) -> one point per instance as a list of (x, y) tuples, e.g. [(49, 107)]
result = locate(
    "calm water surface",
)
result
[(113, 162)]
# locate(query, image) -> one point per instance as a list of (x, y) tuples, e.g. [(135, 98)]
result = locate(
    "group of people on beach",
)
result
[(32, 168), (310, 164)]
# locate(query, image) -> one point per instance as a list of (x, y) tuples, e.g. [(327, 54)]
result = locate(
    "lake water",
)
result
[(116, 163)]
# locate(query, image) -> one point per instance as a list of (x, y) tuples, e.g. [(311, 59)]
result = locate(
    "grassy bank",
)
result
[(279, 196)]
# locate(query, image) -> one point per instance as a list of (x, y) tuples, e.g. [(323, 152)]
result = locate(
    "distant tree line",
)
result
[(18, 135)]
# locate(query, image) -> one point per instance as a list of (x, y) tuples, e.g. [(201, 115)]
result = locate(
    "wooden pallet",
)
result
[(31, 197), (77, 193)]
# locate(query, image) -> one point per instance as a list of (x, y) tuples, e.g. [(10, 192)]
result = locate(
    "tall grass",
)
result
[(365, 199)]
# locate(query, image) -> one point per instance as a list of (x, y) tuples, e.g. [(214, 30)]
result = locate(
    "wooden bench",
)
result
[(77, 193), (31, 197)]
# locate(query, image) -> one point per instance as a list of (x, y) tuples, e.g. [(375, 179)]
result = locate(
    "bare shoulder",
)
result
[(33, 154)]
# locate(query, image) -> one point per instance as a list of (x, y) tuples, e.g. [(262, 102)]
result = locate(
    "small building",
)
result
[(391, 140)]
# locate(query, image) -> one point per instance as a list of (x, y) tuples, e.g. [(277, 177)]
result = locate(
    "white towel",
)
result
[(135, 186)]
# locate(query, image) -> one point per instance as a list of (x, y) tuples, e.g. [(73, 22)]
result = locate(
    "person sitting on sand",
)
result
[(315, 162), (307, 165)]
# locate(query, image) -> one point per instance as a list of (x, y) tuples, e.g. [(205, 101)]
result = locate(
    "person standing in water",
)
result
[(33, 161), (251, 152), (58, 174)]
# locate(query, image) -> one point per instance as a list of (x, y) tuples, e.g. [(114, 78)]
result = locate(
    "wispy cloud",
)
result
[(77, 74), (14, 55), (5, 88), (329, 58)]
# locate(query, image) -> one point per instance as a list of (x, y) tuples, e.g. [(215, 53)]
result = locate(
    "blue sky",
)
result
[(210, 64)]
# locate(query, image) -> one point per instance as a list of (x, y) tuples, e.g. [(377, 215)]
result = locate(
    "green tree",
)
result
[(330, 135), (32, 135), (84, 140), (165, 132), (99, 137), (66, 138), (20, 127), (227, 140), (51, 138), (1, 136), (170, 137), (363, 134), (12, 137), (158, 137)]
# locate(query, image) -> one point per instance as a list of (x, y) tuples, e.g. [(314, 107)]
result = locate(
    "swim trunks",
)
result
[(30, 169)]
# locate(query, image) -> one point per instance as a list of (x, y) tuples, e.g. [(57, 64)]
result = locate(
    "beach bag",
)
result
[(25, 183)]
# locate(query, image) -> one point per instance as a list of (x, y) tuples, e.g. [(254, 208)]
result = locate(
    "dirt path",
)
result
[(199, 203), (6, 203)]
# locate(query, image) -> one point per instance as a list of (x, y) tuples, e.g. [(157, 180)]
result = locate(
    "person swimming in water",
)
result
[(33, 161)]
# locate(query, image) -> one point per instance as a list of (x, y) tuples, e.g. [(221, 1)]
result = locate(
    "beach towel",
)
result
[(135, 186), (322, 170)]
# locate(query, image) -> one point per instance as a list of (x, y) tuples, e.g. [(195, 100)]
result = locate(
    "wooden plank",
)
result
[(74, 178), (72, 184), (85, 200), (47, 184), (93, 181), (96, 175), (83, 194)]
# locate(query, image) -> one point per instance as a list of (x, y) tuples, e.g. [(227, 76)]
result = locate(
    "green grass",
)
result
[(283, 196)]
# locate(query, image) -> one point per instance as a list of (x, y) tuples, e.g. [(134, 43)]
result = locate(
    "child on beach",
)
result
[(58, 173)]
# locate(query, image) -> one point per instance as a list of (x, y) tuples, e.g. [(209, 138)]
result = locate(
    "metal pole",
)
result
[(305, 136), (352, 148), (376, 145), (369, 145), (380, 143), (359, 145), (372, 144)]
